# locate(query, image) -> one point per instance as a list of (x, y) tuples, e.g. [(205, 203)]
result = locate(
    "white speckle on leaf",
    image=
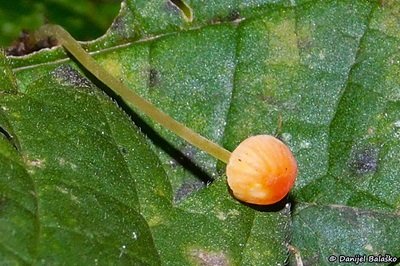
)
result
[(286, 137), (211, 258), (62, 190), (64, 162), (123, 250), (369, 247), (39, 163), (61, 161), (34, 164), (221, 216), (304, 144)]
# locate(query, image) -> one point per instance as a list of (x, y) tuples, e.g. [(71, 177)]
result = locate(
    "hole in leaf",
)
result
[(186, 9)]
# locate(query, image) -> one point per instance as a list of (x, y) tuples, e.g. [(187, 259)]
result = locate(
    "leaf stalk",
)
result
[(128, 95)]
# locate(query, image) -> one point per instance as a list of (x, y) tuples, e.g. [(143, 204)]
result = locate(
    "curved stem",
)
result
[(70, 44)]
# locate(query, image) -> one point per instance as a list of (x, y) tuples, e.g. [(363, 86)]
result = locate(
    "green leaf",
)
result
[(88, 180), (76, 16), (7, 80)]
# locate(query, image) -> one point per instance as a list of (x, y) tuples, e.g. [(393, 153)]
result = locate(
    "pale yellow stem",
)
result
[(70, 44)]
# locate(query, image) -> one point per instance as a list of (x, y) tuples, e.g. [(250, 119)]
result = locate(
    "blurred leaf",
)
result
[(84, 19), (86, 176)]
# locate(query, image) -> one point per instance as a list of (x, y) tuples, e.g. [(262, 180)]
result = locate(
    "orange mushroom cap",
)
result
[(261, 170)]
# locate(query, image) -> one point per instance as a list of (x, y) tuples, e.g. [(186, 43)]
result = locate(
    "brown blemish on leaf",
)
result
[(364, 161), (183, 7), (26, 44), (269, 100), (233, 15), (121, 24), (154, 77), (187, 189), (208, 258), (66, 75)]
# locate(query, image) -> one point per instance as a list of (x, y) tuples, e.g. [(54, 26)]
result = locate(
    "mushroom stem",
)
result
[(72, 46)]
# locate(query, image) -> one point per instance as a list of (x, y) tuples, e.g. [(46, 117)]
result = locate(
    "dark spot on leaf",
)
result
[(9, 137), (4, 132), (187, 189), (26, 44), (66, 75), (154, 78), (121, 28), (189, 152), (184, 8), (118, 25), (208, 258), (364, 161), (234, 15), (123, 150)]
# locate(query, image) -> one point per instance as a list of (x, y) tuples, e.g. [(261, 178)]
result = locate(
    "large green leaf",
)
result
[(85, 180)]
